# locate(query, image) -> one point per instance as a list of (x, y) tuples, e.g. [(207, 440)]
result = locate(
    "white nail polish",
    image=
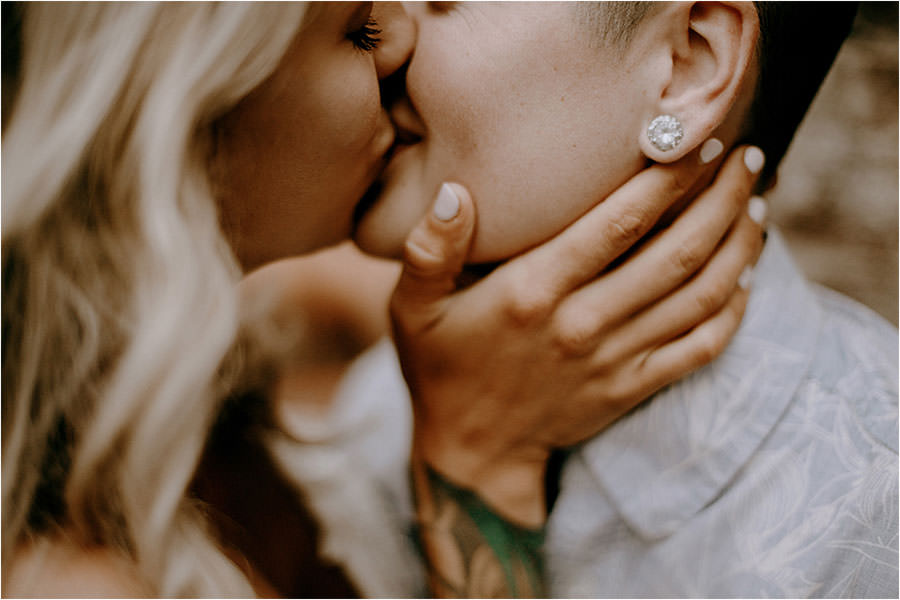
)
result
[(711, 148), (447, 204), (757, 209), (746, 278), (754, 159)]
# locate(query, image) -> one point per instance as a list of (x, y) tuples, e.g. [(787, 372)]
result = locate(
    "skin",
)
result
[(602, 344), (523, 77), (301, 150), (293, 160), (304, 147), (523, 105), (297, 155), (520, 104)]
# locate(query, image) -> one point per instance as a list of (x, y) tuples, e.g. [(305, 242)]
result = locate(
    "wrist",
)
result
[(511, 483)]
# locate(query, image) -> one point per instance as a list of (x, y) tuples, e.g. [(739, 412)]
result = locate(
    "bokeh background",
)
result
[(837, 195)]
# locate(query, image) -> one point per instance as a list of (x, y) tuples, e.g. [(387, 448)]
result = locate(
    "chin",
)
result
[(377, 242), (377, 231), (393, 208)]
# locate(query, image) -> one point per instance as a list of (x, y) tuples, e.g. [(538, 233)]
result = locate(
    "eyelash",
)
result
[(367, 37)]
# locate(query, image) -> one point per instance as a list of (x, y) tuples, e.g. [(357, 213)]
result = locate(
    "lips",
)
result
[(410, 128), (366, 202), (402, 140), (385, 138)]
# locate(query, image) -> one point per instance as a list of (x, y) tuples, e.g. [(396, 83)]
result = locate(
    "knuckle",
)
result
[(687, 259), (621, 397), (527, 305), (735, 189), (421, 256), (574, 335), (570, 343), (740, 197), (607, 356), (709, 346), (678, 181), (626, 229), (712, 297), (736, 201)]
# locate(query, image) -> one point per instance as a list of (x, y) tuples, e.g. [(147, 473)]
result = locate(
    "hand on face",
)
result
[(543, 352), (538, 113)]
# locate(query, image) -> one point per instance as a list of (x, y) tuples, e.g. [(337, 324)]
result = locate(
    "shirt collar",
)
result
[(662, 463)]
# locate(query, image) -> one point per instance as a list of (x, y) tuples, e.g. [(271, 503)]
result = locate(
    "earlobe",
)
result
[(663, 140), (665, 132), (709, 49)]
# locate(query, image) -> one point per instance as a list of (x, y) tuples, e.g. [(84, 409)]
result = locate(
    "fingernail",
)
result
[(447, 204), (757, 209), (746, 278), (754, 159), (711, 148)]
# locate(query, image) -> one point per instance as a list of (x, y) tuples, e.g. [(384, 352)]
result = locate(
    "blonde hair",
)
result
[(119, 302)]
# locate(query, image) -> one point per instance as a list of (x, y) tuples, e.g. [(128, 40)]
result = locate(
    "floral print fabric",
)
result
[(770, 473)]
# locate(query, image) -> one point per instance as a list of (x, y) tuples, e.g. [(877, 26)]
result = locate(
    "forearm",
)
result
[(470, 550)]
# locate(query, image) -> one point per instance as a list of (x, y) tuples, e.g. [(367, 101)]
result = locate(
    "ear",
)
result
[(702, 56)]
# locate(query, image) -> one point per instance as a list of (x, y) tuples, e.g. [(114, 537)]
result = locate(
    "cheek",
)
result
[(549, 161), (302, 158), (536, 142), (455, 91), (343, 136), (346, 114)]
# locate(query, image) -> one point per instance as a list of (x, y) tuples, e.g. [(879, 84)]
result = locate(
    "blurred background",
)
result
[(837, 195)]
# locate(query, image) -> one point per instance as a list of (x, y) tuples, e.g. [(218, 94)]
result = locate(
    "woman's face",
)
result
[(301, 150), (520, 103)]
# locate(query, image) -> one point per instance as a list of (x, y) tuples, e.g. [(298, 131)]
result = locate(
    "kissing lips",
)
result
[(408, 131), (404, 139), (368, 201), (408, 124)]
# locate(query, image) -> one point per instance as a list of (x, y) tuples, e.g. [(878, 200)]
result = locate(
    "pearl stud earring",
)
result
[(665, 132)]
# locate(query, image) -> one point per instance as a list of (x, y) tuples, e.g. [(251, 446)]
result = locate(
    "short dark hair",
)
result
[(797, 45), (613, 23)]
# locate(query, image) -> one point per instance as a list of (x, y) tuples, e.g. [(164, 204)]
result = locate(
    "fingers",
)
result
[(698, 347), (699, 299), (616, 223), (434, 254), (673, 255)]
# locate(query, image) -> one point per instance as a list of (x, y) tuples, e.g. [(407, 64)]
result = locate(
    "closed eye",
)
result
[(367, 37)]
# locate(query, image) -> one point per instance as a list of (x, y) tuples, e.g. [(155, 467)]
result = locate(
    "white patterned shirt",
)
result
[(771, 472)]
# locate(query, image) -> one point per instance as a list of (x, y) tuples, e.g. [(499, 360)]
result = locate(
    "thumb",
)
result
[(435, 251)]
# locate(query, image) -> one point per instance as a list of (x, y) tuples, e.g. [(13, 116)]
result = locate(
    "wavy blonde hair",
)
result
[(119, 300)]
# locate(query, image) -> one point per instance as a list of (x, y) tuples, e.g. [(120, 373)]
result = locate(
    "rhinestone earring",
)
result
[(665, 132)]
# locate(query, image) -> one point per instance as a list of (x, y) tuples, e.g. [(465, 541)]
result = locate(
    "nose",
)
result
[(398, 37)]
